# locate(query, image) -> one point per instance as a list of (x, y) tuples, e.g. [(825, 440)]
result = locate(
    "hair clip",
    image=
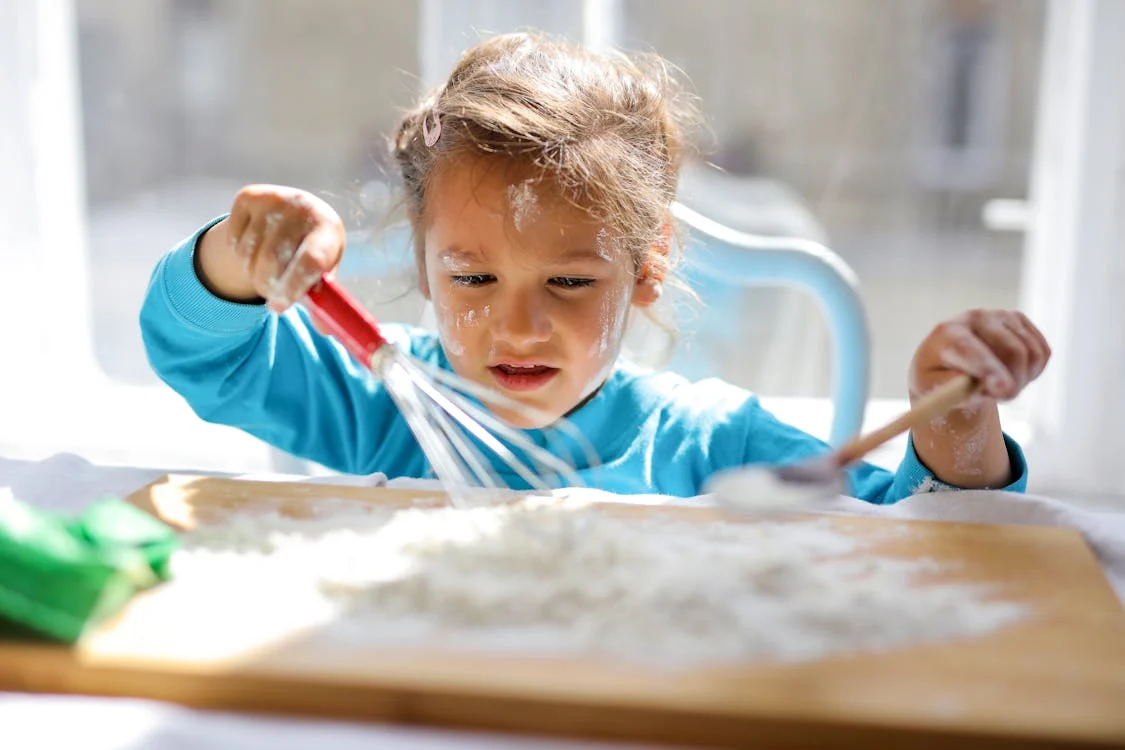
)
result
[(429, 135)]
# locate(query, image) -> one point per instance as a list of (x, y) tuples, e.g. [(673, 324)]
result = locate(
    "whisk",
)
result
[(437, 407)]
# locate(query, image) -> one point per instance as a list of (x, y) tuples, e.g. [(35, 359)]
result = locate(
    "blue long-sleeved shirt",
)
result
[(279, 379)]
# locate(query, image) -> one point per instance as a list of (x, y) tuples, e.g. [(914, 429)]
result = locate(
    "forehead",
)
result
[(501, 190), (488, 209)]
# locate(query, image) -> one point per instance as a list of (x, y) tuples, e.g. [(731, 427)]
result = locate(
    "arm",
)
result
[(271, 375), (1005, 352), (965, 449), (769, 440)]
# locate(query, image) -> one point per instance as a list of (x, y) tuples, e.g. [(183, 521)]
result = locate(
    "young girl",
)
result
[(538, 180)]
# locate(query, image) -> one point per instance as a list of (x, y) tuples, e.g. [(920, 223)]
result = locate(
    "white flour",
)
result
[(553, 578), (524, 203)]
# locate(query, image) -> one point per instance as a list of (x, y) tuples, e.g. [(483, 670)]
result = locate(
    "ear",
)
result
[(650, 279), (647, 291)]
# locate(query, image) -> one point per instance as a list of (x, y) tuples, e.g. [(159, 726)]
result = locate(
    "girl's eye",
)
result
[(473, 279), (571, 282)]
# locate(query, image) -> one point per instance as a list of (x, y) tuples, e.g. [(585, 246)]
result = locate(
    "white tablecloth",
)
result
[(69, 483)]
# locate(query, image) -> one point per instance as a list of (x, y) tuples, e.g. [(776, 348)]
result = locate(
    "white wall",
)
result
[(1075, 266)]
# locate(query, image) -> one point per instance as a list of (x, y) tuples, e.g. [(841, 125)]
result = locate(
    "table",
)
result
[(67, 483)]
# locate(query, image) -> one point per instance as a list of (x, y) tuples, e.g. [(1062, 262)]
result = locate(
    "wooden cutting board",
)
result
[(1055, 681)]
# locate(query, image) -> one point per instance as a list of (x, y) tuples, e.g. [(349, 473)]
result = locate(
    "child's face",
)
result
[(531, 294)]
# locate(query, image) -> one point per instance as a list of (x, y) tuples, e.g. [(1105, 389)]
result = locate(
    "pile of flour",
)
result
[(552, 576)]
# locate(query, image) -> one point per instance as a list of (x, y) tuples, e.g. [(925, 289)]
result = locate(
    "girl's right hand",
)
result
[(276, 244)]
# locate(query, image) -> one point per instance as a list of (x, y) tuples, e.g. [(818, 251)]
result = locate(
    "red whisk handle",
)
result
[(345, 319)]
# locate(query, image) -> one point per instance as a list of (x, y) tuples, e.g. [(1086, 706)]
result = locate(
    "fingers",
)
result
[(308, 263), (284, 231), (1017, 342), (1000, 348), (286, 239), (1037, 344), (1010, 350), (965, 352)]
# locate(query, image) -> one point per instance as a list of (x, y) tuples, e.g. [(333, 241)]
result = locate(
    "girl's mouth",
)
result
[(523, 377)]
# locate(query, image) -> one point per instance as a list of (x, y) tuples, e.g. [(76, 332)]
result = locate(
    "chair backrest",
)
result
[(723, 260)]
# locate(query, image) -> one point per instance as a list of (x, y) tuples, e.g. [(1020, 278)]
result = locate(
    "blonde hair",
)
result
[(607, 130)]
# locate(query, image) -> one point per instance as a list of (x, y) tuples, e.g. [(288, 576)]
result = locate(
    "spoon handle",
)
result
[(933, 404)]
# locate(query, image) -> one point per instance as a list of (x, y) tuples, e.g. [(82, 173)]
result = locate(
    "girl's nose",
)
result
[(524, 321)]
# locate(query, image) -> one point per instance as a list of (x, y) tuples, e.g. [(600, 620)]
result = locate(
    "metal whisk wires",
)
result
[(448, 415)]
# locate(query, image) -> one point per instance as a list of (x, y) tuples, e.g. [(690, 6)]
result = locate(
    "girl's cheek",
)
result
[(601, 328), (608, 324), (469, 317), (459, 321), (448, 328)]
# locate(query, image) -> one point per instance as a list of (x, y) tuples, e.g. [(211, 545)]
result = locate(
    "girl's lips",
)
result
[(523, 377)]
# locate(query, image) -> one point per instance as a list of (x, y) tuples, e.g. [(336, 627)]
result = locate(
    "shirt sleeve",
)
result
[(769, 440), (273, 376)]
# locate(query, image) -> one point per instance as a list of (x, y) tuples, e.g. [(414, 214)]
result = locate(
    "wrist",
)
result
[(218, 268), (971, 417), (965, 448)]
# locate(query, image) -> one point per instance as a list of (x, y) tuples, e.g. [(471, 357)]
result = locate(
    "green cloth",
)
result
[(60, 575)]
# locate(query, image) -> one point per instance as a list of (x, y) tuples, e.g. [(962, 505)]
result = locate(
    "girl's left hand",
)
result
[(1000, 348)]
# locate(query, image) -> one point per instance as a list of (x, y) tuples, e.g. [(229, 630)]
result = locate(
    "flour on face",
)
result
[(524, 204)]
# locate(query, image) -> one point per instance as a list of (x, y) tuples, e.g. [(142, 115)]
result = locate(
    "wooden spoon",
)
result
[(762, 488)]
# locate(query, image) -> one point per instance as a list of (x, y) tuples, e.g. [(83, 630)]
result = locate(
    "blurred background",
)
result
[(906, 136), (880, 128)]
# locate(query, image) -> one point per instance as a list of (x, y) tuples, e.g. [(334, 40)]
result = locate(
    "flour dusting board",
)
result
[(1054, 679)]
